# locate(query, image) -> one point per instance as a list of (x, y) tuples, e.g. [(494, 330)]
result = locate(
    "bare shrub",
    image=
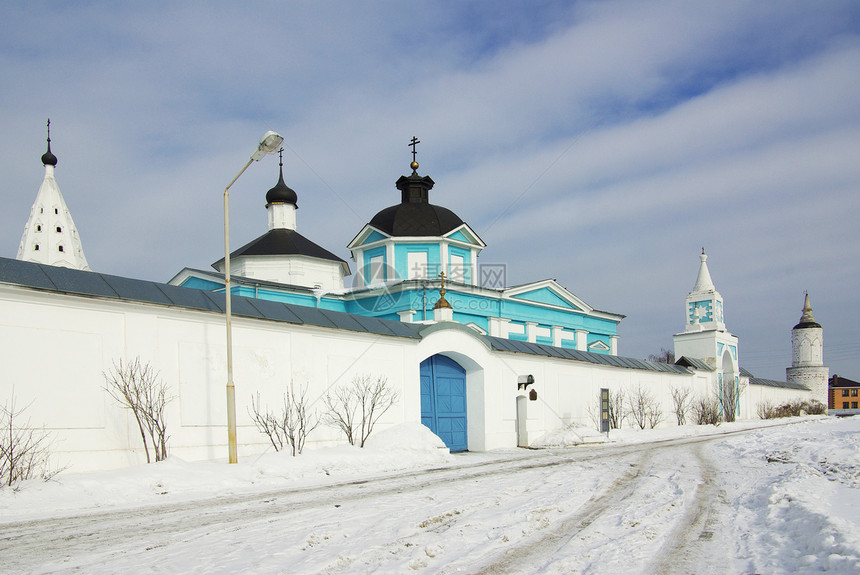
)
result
[(706, 408), (615, 412), (138, 388), (730, 398), (654, 414), (289, 426), (766, 410), (793, 408), (24, 449), (355, 408), (616, 408), (643, 408), (682, 402), (815, 407)]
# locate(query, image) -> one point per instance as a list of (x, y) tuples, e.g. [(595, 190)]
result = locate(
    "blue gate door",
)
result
[(443, 400)]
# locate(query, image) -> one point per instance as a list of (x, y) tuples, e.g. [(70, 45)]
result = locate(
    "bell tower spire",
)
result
[(704, 303), (50, 236)]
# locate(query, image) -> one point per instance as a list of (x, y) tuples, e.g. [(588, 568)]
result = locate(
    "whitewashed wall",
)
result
[(54, 349)]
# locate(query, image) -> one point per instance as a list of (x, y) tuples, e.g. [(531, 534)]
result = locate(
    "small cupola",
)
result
[(281, 193), (415, 216), (281, 202)]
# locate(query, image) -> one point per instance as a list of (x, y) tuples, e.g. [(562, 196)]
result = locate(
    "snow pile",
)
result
[(575, 435), (568, 437), (399, 448), (799, 504)]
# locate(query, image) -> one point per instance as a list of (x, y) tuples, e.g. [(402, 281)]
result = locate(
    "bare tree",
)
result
[(706, 408), (729, 396), (290, 426), (654, 415), (138, 388), (616, 408), (665, 356), (643, 408), (682, 401), (356, 408), (24, 449), (616, 412)]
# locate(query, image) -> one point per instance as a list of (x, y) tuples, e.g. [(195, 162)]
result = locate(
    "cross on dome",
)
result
[(415, 141)]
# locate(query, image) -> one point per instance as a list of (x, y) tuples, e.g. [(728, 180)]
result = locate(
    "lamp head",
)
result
[(269, 144)]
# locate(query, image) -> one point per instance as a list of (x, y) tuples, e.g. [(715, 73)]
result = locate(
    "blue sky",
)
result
[(602, 144)]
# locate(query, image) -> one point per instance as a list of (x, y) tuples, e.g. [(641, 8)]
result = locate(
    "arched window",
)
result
[(59, 230), (36, 248), (805, 351), (60, 248)]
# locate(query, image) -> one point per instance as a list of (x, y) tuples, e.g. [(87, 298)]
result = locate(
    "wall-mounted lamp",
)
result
[(524, 381)]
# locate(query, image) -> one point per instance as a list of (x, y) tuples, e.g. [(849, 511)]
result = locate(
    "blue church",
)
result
[(403, 257)]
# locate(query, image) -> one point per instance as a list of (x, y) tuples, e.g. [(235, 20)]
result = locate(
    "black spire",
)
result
[(48, 158), (281, 194)]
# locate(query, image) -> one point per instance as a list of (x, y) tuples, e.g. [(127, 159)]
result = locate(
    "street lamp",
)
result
[(269, 144)]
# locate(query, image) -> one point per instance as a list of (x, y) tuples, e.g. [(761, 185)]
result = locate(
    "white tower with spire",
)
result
[(50, 236), (705, 336), (807, 363)]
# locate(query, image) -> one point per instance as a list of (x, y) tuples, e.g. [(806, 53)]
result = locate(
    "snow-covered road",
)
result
[(687, 505)]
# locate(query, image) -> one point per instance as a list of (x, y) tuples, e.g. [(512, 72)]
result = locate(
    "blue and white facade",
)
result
[(399, 256)]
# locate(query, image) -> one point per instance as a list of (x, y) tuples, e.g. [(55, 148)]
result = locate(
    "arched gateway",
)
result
[(443, 400)]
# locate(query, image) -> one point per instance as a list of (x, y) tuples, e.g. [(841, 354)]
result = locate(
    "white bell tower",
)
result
[(705, 336), (807, 347), (50, 236)]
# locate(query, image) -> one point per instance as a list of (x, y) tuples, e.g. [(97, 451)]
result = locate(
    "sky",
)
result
[(602, 144)]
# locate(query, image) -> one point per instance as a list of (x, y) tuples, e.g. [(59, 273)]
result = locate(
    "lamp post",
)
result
[(269, 144)]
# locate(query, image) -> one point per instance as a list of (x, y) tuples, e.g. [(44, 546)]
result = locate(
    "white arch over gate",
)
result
[(470, 350)]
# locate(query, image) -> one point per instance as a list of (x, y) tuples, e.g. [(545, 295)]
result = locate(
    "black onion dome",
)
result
[(807, 324), (48, 158), (416, 220), (415, 215), (281, 194)]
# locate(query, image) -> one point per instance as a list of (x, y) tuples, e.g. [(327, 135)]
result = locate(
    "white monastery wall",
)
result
[(55, 348)]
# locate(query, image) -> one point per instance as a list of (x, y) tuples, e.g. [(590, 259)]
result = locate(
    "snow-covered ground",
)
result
[(752, 497)]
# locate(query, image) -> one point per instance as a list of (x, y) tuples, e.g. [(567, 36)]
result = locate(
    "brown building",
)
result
[(844, 393)]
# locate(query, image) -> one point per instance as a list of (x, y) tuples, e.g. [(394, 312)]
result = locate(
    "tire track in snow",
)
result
[(522, 558), (690, 542), (104, 534), (108, 534), (686, 535)]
